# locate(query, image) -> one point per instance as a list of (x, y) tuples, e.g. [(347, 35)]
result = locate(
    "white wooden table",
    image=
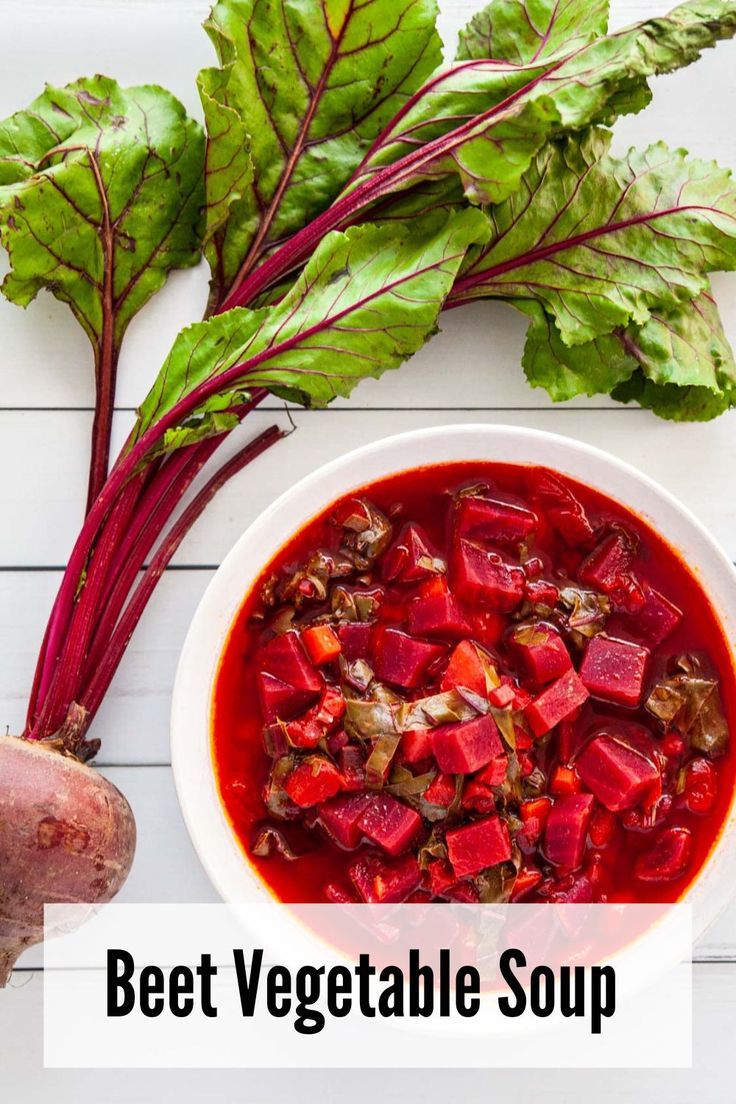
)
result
[(468, 373)]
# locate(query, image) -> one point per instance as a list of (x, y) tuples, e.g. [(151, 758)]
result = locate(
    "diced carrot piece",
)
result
[(476, 846), (559, 700), (322, 644), (565, 780)]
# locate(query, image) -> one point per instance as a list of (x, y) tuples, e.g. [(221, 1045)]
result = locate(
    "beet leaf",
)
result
[(367, 300), (100, 197), (529, 30), (300, 93), (485, 120)]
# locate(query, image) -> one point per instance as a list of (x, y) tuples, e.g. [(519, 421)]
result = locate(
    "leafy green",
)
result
[(367, 300), (678, 364), (100, 196), (486, 120), (528, 30), (301, 90), (689, 701), (600, 240)]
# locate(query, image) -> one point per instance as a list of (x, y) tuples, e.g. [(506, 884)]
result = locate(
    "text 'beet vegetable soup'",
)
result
[(476, 682)]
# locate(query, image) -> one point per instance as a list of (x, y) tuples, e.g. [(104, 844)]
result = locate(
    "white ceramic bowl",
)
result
[(219, 851)]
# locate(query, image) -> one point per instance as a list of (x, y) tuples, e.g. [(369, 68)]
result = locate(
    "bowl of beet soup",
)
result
[(471, 663)]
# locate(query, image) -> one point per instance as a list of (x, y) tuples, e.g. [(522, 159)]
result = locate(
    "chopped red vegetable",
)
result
[(464, 748), (478, 845), (559, 697), (558, 701), (567, 828), (614, 670)]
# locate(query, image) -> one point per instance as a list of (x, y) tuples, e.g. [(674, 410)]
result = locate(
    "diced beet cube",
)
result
[(619, 775), (667, 859), (331, 708), (352, 768), (656, 619), (381, 882), (567, 828), (304, 732), (561, 507), (355, 639), (468, 746), (607, 569), (441, 877), (558, 701), (313, 781), (411, 557), (494, 773), (416, 745), (436, 613), (402, 659), (467, 668), (389, 823), (542, 652), (338, 895), (441, 790), (279, 701), (337, 741), (614, 669), (478, 845), (463, 892), (284, 657), (581, 892), (526, 880), (478, 796), (494, 519), (483, 576), (340, 818)]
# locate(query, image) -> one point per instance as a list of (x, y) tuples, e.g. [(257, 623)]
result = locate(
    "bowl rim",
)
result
[(221, 855)]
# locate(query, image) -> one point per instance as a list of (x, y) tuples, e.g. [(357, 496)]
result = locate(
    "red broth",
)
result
[(616, 845)]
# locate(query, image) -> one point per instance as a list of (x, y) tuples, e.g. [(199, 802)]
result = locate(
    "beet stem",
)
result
[(92, 696)]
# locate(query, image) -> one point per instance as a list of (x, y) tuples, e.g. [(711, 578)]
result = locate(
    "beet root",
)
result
[(67, 835)]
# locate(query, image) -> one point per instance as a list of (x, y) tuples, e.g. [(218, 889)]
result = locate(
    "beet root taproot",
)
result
[(67, 835)]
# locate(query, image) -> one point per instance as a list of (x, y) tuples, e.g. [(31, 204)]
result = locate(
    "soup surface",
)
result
[(475, 682)]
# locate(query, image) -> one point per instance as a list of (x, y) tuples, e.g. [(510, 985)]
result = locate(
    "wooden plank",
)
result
[(44, 496)]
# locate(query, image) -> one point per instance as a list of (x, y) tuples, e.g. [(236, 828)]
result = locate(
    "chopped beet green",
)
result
[(520, 727)]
